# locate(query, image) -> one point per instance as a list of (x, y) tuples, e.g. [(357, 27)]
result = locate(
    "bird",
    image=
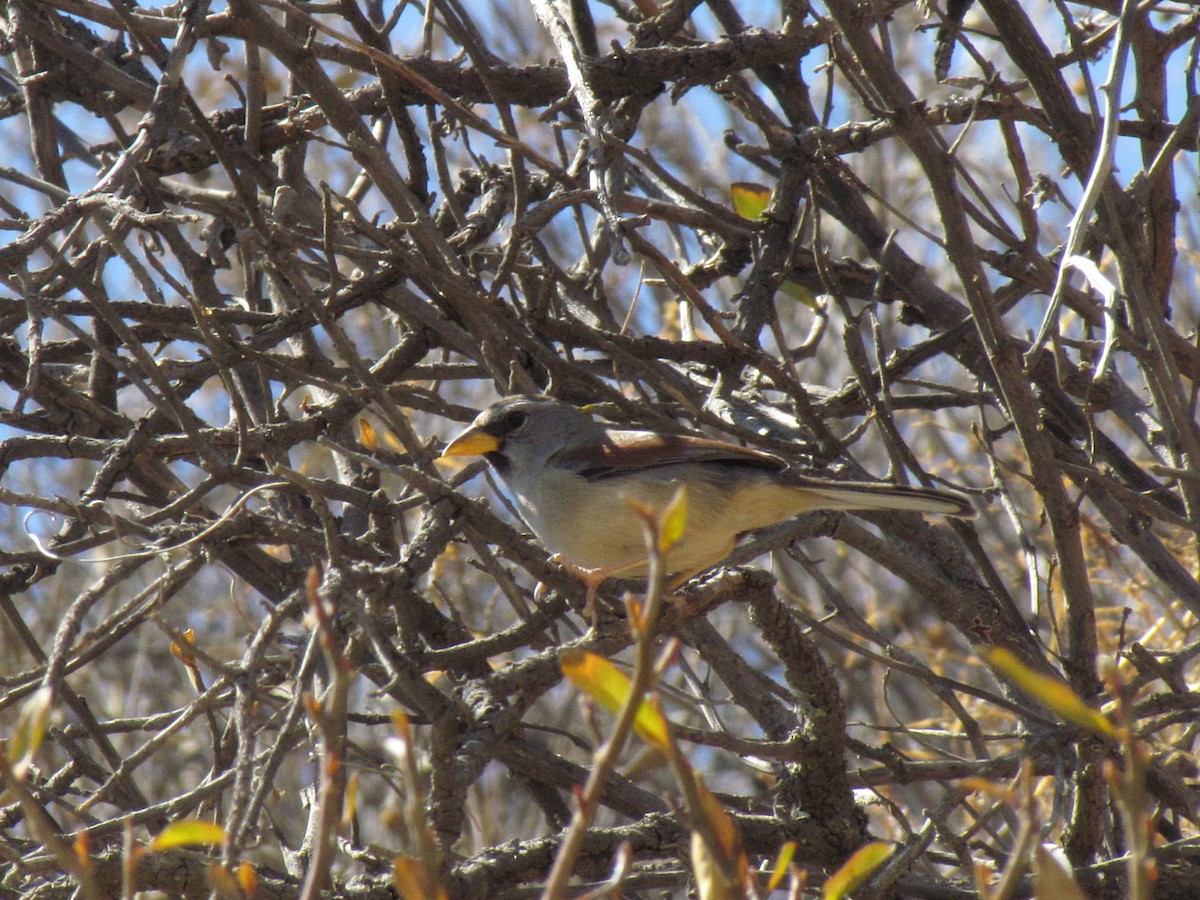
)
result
[(577, 482)]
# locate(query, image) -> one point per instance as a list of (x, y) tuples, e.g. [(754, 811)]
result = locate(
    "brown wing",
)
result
[(627, 451)]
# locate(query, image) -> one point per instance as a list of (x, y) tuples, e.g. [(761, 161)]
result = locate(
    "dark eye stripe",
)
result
[(510, 422)]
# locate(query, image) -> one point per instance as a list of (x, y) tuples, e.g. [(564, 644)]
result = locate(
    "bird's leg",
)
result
[(591, 578)]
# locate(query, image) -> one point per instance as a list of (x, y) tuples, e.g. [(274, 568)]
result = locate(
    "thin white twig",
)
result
[(157, 551), (1101, 169)]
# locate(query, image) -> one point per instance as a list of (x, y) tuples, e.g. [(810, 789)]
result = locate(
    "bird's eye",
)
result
[(511, 421)]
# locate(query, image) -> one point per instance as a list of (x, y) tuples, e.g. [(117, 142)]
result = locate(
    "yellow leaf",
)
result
[(985, 877), (721, 875), (649, 760), (1052, 878), (410, 880), (367, 436), (997, 791), (181, 650), (346, 78), (188, 833), (247, 879), (856, 870), (350, 804), (29, 731), (83, 849), (674, 520), (648, 8), (313, 706), (608, 686), (782, 861), (1053, 693), (633, 606), (402, 725), (393, 442), (724, 829), (413, 882), (711, 883), (224, 884), (750, 200)]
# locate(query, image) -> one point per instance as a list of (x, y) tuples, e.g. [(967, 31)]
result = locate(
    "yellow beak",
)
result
[(471, 443)]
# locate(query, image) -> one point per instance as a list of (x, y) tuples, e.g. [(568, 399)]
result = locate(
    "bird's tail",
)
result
[(855, 495)]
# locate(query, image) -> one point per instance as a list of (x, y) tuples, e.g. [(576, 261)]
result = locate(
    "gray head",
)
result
[(522, 432)]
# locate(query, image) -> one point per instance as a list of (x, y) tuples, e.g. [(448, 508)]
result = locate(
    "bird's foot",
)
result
[(591, 578)]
